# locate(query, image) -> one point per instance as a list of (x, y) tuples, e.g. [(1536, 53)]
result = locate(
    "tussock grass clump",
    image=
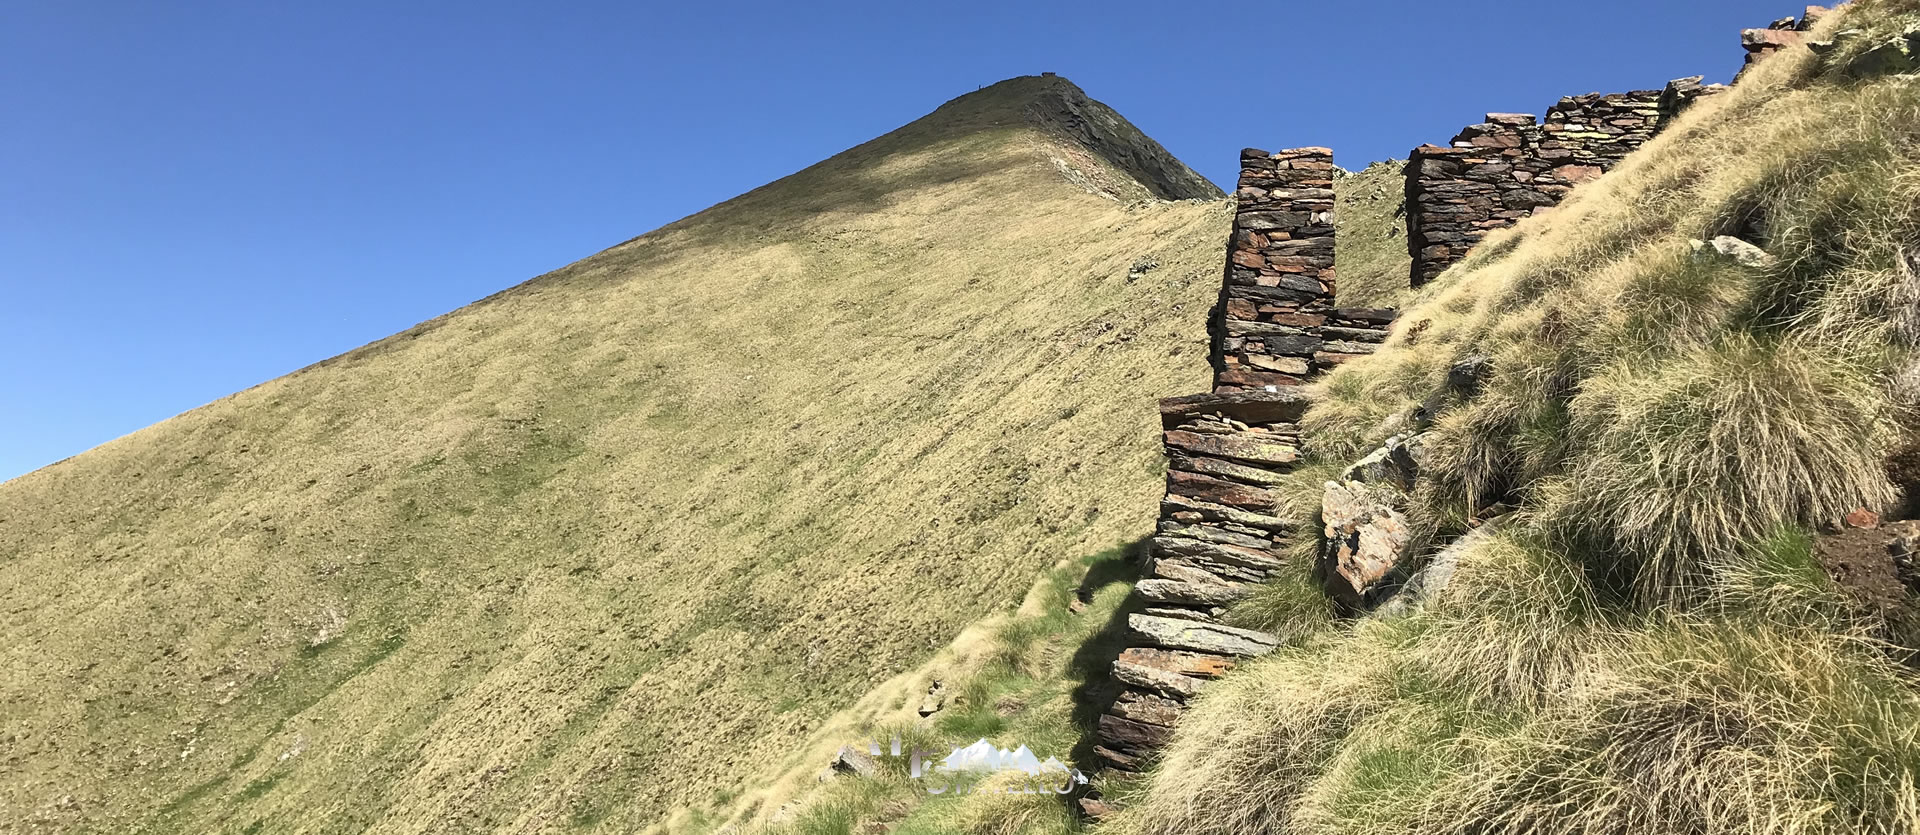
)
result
[(1515, 703), (1715, 448)]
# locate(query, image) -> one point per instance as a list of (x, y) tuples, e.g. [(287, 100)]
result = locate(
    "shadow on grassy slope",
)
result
[(1092, 664), (1043, 684)]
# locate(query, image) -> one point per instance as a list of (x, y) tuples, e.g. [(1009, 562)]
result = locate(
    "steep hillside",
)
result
[(606, 542), (1373, 262), (1629, 432)]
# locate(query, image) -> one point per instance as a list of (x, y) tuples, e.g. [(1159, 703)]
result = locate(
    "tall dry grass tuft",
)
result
[(1515, 704), (1683, 461)]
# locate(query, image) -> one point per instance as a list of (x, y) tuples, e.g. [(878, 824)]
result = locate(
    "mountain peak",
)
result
[(1077, 121)]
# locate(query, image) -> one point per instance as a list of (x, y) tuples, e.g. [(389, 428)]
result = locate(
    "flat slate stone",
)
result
[(1119, 761), (1176, 662), (1175, 547), (1251, 447), (1155, 679), (1241, 328), (1181, 568), (1126, 733), (1187, 571), (1148, 709), (1285, 405), (1222, 491), (1205, 465), (1218, 536), (1201, 637), (1190, 593), (1211, 511)]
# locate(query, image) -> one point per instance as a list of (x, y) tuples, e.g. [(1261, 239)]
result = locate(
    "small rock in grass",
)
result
[(1733, 249), (853, 761)]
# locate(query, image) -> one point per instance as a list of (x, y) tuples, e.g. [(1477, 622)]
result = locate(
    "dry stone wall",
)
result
[(1222, 527), (1511, 166), (1781, 34), (1278, 324)]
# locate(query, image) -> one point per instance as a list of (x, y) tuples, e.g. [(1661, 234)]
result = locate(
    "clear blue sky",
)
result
[(200, 196)]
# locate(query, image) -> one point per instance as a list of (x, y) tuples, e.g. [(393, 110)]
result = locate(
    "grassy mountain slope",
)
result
[(1374, 267), (1643, 641), (604, 543)]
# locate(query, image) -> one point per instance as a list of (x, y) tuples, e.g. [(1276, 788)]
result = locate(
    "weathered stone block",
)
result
[(1189, 593), (1148, 708), (1255, 407), (1173, 547), (1210, 638), (1156, 680), (1128, 734), (1214, 512), (1366, 538), (1225, 469), (1190, 664)]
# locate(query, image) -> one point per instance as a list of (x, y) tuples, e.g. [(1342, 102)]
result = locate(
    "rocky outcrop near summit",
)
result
[(1063, 107)]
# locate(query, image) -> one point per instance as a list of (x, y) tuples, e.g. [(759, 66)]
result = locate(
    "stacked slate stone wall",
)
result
[(1222, 527), (1511, 166), (1277, 321)]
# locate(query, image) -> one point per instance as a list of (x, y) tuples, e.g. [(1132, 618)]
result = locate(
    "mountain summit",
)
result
[(617, 538)]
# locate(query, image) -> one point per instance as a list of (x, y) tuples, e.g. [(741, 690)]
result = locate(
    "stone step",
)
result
[(1179, 507), (1286, 405), (1214, 534), (1178, 662), (1250, 447), (1174, 547), (1200, 637), (1148, 709), (1153, 679), (1190, 593), (1126, 734), (1245, 473), (1221, 491)]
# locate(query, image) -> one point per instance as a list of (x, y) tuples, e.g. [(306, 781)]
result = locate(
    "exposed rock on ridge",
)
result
[(1060, 106)]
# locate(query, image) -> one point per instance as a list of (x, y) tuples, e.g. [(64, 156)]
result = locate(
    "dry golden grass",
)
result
[(1516, 704), (619, 539), (1374, 269)]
